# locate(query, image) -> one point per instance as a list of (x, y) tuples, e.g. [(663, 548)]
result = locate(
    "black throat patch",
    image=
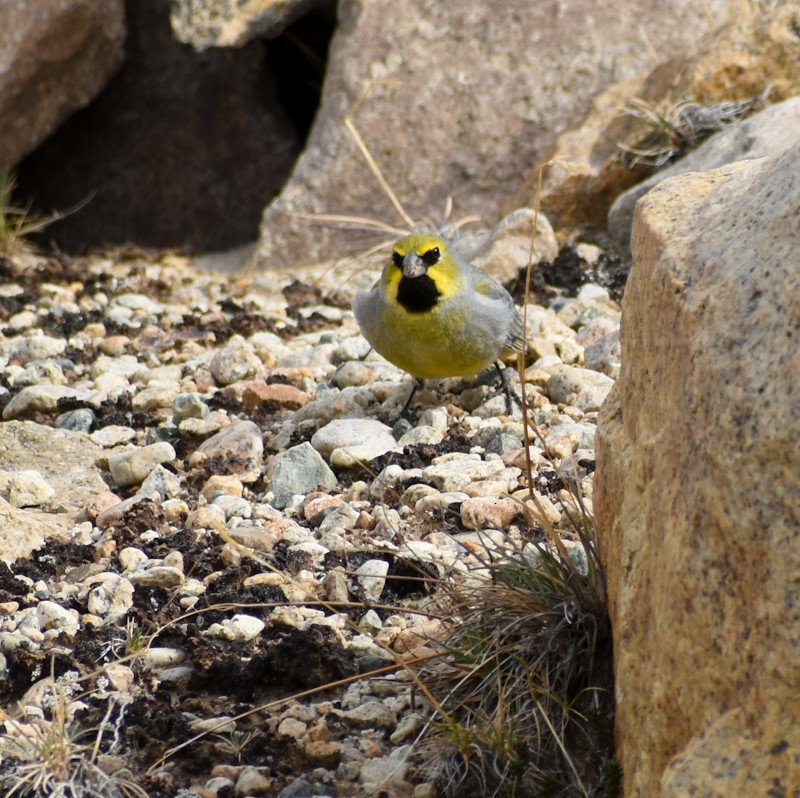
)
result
[(417, 294)]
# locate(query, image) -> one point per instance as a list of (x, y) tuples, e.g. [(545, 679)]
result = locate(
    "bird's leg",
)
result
[(416, 384), (511, 397)]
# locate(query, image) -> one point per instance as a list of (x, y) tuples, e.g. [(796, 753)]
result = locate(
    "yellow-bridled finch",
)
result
[(434, 315)]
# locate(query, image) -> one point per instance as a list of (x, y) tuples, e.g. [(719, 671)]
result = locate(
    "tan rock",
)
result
[(257, 394), (24, 531), (54, 57), (232, 23), (696, 494), (456, 101)]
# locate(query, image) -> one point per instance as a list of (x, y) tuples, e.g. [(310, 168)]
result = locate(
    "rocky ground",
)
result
[(233, 516)]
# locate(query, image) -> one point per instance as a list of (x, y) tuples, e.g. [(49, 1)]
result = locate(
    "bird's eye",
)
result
[(397, 259), (431, 256)]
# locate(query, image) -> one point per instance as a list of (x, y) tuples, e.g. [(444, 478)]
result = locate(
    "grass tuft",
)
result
[(55, 757), (674, 130), (526, 692)]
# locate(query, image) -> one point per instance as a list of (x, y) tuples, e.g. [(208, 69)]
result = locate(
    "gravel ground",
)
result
[(233, 516)]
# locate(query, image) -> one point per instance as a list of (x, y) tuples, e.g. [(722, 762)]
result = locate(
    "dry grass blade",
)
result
[(17, 224)]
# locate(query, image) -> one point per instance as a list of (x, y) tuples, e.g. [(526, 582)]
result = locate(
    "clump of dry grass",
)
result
[(524, 697), (674, 130), (53, 756)]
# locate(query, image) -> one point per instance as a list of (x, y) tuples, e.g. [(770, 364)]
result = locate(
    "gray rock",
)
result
[(163, 482), (38, 93), (605, 355), (696, 490), (81, 420), (189, 405), (109, 595), (298, 470), (567, 438), (480, 144)]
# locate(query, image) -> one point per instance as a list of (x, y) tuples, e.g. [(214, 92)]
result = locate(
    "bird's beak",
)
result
[(413, 265)]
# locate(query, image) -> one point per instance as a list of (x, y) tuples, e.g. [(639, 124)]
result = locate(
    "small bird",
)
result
[(434, 315)]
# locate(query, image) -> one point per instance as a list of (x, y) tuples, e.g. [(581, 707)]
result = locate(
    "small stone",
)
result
[(252, 782), (582, 388), (298, 470), (353, 440), (457, 473), (235, 361), (567, 438), (218, 484), (37, 399), (130, 558), (239, 629), (370, 622), (238, 450), (132, 467), (138, 302), (53, 616), (605, 355), (113, 435), (233, 506), (484, 512), (255, 537), (189, 405), (163, 482), (155, 397), (81, 420), (291, 727), (407, 727), (157, 575), (420, 434), (369, 579), (343, 517), (158, 657), (109, 595), (29, 489), (287, 396), (393, 767), (370, 715), (334, 586)]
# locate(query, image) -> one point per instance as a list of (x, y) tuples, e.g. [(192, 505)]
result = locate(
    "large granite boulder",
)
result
[(454, 100), (697, 494)]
